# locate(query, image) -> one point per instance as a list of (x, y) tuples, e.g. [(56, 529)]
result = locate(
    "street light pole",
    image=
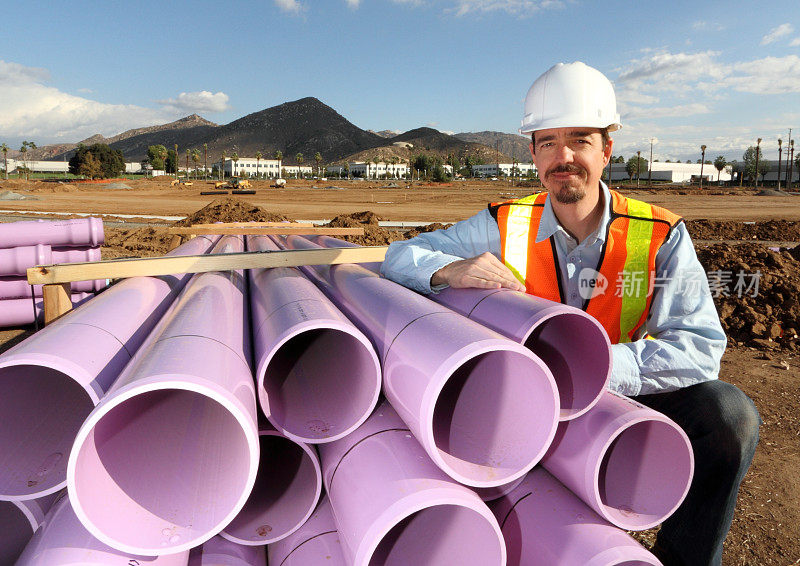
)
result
[(791, 165), (780, 151), (650, 172), (638, 162), (758, 151), (702, 163)]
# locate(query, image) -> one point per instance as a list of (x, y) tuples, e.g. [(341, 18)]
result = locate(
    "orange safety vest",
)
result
[(634, 234)]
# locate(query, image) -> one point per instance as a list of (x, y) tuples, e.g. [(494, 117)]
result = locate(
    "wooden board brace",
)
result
[(57, 301)]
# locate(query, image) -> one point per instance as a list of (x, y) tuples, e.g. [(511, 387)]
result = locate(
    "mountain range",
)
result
[(304, 126)]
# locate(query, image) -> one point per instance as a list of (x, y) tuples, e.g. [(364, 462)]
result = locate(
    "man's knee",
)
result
[(735, 417)]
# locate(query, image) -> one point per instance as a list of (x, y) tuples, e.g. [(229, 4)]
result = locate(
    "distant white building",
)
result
[(670, 172), (291, 170), (252, 167), (497, 169), (370, 170)]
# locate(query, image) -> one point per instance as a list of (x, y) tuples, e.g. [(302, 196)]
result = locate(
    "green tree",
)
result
[(171, 162), (156, 154), (719, 165), (318, 159), (631, 166), (4, 149), (195, 160), (423, 164), (97, 161), (752, 155), (299, 158), (24, 151), (258, 162)]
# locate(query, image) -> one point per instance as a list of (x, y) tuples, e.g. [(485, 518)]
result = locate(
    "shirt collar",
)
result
[(549, 225)]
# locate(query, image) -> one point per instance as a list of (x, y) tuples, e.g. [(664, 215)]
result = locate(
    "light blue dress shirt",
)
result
[(689, 341)]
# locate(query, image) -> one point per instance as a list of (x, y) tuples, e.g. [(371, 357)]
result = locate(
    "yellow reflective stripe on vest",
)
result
[(518, 225), (636, 274)]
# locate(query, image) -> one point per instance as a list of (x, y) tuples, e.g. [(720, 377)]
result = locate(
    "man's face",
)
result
[(570, 161)]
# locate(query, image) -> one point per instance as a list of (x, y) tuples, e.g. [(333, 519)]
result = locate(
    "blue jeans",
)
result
[(722, 425)]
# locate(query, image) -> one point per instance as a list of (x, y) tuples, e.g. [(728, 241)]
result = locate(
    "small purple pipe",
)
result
[(17, 287), (287, 489), (483, 407), (581, 366), (16, 261), (393, 505), (19, 520), (19, 312), (629, 463), (169, 456), (50, 381), (318, 376), (572, 343), (75, 233), (315, 543), (62, 539), (218, 551), (544, 524)]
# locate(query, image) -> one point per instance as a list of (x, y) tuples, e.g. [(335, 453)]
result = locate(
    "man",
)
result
[(632, 266)]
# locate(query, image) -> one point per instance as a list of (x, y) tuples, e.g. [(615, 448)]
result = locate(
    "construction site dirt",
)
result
[(749, 246)]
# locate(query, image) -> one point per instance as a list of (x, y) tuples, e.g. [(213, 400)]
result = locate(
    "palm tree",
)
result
[(176, 162), (4, 149), (299, 159), (205, 161), (235, 159), (376, 160), (195, 160), (318, 159), (258, 161), (188, 155), (279, 157)]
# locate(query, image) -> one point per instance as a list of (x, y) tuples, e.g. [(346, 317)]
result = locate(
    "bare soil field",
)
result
[(733, 231)]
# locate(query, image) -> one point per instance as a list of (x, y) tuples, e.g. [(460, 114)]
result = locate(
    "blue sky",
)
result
[(686, 73)]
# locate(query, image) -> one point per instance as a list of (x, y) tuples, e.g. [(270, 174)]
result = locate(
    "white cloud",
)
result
[(795, 42), (702, 25), (667, 111), (34, 110), (771, 75), (515, 7), (354, 4), (195, 102), (667, 67), (776, 33), (290, 6)]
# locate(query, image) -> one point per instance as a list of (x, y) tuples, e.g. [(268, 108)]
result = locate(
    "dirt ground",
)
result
[(733, 231)]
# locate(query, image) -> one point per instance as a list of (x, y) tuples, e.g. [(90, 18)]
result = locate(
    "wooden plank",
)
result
[(168, 265), (269, 230), (57, 301), (255, 225)]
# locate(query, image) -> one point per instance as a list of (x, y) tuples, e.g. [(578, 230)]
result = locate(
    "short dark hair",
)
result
[(603, 132)]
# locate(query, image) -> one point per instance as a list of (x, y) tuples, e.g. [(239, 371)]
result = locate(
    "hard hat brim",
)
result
[(530, 125)]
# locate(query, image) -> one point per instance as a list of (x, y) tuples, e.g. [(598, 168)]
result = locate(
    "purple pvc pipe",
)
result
[(218, 551), (318, 376), (572, 343), (19, 520), (19, 312), (484, 408), (62, 540), (629, 463), (544, 524), (315, 543), (392, 505), (74, 233), (287, 489), (17, 287), (50, 381), (16, 261), (170, 454)]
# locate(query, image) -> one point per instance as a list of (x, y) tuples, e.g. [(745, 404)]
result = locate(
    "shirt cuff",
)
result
[(625, 376)]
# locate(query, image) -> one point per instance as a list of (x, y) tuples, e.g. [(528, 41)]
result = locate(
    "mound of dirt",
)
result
[(759, 307), (770, 230), (139, 242), (374, 235), (231, 210), (11, 195), (422, 229)]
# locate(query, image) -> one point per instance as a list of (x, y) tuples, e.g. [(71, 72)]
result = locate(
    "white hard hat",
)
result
[(570, 95)]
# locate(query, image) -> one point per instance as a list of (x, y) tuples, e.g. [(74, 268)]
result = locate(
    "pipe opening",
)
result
[(320, 383), (17, 531), (172, 462), (284, 495), (644, 474), (494, 417), (443, 534), (41, 411), (578, 356)]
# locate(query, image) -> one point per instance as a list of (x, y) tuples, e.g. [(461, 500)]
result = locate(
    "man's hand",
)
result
[(482, 272)]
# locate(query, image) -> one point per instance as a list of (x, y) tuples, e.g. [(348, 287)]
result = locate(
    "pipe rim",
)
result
[(417, 502), (294, 331), (593, 474), (312, 455), (140, 387), (437, 383)]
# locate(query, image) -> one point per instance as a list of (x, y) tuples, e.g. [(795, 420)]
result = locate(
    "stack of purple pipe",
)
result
[(476, 429), (40, 242)]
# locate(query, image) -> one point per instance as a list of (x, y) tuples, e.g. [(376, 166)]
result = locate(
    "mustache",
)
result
[(565, 168)]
